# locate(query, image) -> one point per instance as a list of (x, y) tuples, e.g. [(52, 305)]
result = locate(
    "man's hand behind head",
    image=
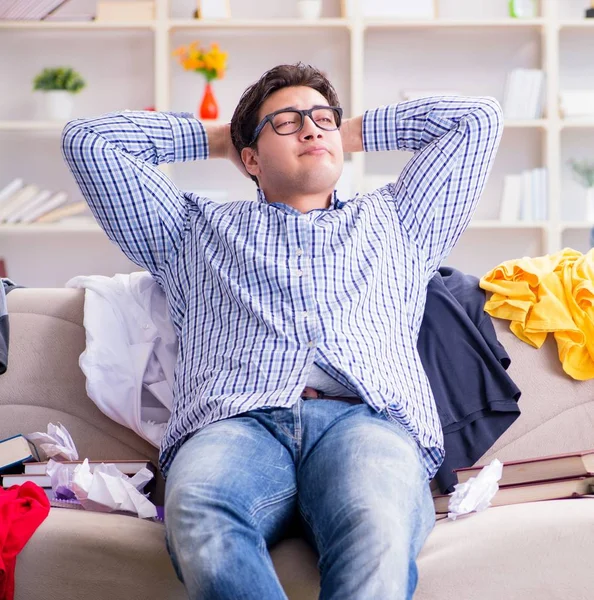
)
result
[(220, 145)]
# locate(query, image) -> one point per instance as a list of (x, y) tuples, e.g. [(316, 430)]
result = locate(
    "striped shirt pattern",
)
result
[(258, 291)]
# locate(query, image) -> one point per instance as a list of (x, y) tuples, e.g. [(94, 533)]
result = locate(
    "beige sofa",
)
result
[(542, 550)]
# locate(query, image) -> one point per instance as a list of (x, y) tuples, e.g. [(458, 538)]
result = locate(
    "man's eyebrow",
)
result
[(295, 108)]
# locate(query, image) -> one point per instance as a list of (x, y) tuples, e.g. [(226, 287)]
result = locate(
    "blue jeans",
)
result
[(355, 479)]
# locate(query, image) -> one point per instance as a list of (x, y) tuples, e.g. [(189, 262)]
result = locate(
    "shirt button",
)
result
[(304, 314), (310, 344), (299, 272), (299, 252)]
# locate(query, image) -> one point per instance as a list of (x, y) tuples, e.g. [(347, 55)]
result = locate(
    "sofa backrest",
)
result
[(557, 411), (44, 384)]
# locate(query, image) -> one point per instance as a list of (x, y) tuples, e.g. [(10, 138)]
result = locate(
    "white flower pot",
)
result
[(309, 9), (58, 105), (590, 205)]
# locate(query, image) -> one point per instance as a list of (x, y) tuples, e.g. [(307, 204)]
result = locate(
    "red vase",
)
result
[(209, 109)]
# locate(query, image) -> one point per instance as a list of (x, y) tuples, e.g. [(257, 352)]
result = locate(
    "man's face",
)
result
[(307, 162)]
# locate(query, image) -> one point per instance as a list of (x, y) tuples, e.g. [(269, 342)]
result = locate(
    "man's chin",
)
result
[(317, 183)]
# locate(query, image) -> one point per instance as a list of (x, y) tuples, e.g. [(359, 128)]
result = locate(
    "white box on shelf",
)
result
[(214, 9), (576, 103), (134, 10), (395, 9)]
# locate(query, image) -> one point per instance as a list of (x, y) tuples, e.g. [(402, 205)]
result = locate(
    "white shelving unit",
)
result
[(364, 57)]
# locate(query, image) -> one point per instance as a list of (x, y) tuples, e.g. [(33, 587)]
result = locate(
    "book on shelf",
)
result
[(14, 452), (63, 212), (18, 199), (558, 489), (56, 201), (32, 204), (73, 11), (524, 94), (128, 467), (555, 466), (10, 189), (525, 197), (31, 10)]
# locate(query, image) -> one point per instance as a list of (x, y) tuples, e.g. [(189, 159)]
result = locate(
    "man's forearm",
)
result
[(219, 140), (351, 132), (155, 137)]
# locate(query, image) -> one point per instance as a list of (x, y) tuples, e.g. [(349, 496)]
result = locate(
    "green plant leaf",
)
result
[(59, 78)]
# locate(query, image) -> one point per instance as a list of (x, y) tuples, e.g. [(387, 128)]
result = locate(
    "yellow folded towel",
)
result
[(549, 294)]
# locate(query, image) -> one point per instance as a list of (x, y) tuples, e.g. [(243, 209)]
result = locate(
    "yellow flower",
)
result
[(212, 62)]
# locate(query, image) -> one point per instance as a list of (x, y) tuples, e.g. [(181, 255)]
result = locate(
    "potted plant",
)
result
[(212, 64), (584, 173), (59, 84)]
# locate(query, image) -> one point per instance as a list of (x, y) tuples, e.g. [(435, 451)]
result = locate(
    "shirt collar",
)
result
[(335, 203)]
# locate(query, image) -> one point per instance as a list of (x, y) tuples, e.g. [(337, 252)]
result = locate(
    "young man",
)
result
[(299, 389)]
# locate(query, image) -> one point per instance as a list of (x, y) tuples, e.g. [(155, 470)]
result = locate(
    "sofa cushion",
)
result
[(539, 549), (77, 554)]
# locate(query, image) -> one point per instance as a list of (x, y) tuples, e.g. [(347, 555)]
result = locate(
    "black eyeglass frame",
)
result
[(304, 113)]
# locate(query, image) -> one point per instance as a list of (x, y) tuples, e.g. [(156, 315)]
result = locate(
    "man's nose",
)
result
[(310, 129)]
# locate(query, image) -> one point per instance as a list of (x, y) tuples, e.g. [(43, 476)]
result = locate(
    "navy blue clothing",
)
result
[(6, 285), (466, 365)]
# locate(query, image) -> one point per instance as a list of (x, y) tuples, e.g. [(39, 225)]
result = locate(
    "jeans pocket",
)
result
[(407, 435)]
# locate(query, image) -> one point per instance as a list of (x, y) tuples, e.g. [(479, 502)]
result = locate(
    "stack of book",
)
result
[(533, 480), (29, 203), (36, 472), (525, 197), (15, 451), (28, 10), (524, 94)]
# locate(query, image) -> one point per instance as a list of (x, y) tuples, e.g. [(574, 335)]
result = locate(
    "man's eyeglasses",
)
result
[(288, 122)]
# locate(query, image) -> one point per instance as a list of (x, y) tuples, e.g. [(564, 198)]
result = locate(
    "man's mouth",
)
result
[(314, 151)]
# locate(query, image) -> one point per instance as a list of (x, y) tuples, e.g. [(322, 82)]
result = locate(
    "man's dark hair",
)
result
[(245, 117)]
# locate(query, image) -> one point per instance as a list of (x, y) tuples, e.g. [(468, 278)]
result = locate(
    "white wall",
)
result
[(119, 68)]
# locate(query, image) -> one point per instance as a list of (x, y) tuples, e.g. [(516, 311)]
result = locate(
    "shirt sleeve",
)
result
[(454, 141), (114, 160)]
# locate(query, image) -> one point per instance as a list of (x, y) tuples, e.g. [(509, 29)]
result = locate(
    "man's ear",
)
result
[(249, 156)]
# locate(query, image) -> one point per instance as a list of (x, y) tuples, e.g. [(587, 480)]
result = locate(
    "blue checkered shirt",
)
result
[(258, 291)]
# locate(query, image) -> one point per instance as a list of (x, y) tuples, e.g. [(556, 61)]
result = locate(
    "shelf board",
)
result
[(445, 23), (577, 123), (77, 25), (576, 23), (49, 228), (257, 23), (32, 125), (576, 225), (495, 224), (543, 123)]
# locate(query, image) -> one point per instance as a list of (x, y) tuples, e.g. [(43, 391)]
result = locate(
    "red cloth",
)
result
[(22, 509)]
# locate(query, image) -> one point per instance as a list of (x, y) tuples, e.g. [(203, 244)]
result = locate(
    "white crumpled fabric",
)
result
[(56, 443), (475, 495), (107, 489)]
